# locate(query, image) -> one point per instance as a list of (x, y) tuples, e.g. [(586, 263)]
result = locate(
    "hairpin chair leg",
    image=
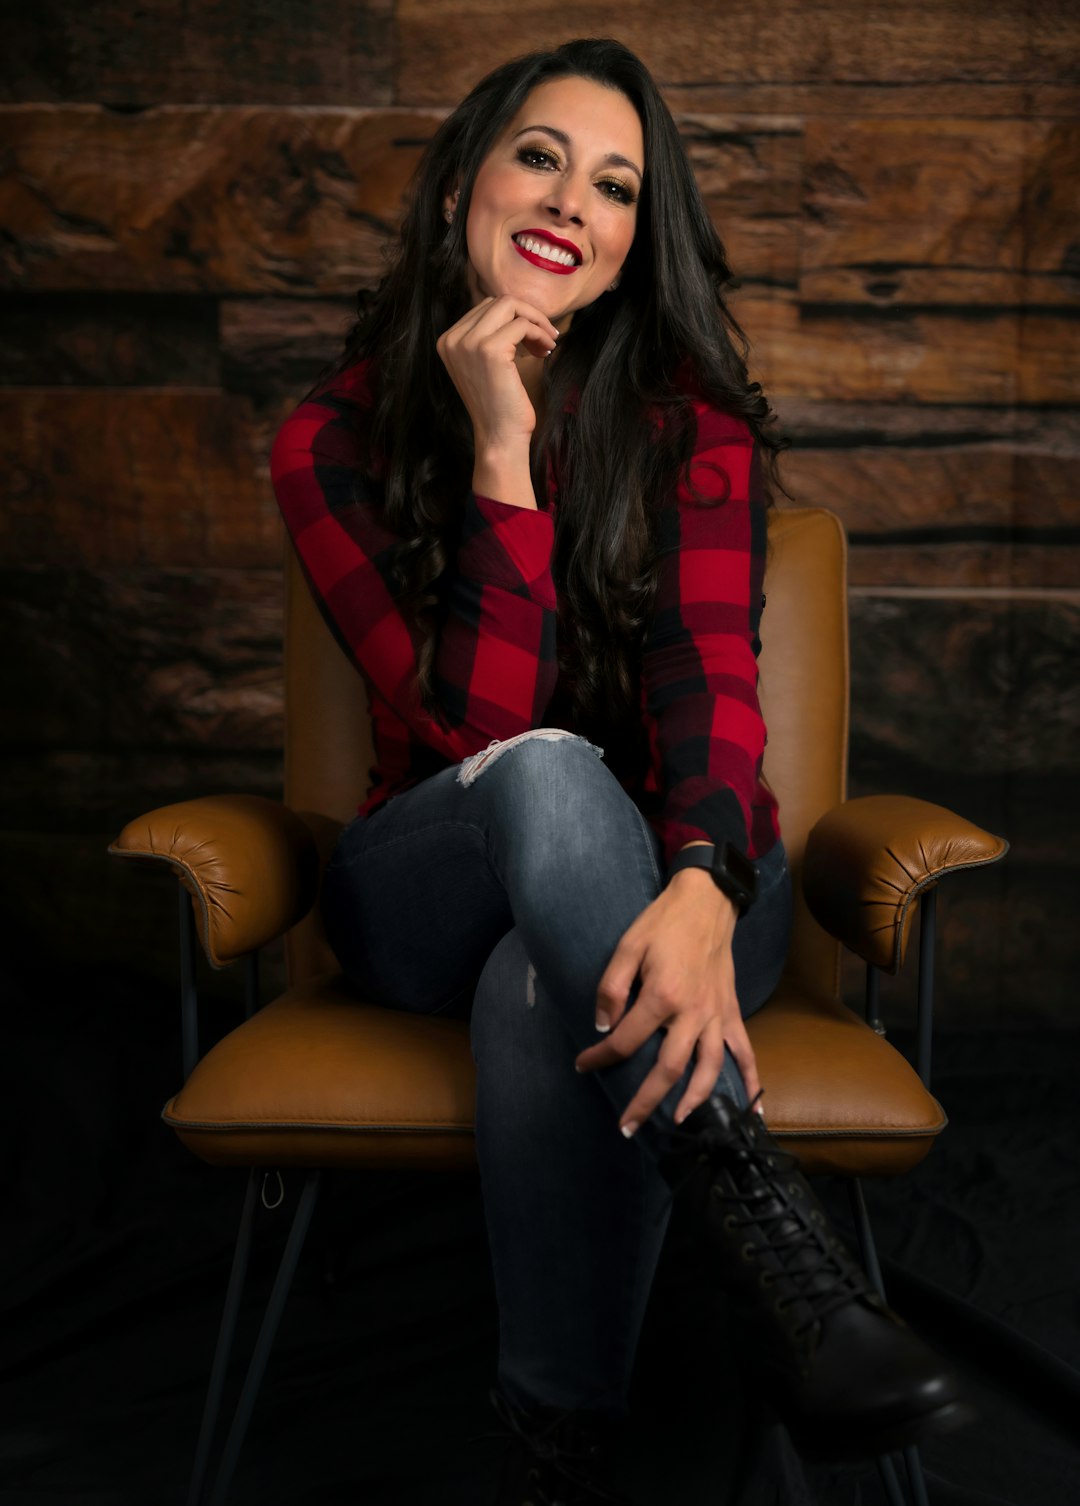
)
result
[(226, 1335), (274, 1308), (894, 1490)]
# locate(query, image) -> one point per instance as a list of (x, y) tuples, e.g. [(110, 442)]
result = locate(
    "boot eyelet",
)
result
[(780, 1306), (816, 1217), (748, 1252), (766, 1278), (730, 1221)]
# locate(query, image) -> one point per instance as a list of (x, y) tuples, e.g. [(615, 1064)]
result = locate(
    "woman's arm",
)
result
[(700, 666), (707, 736), (495, 667)]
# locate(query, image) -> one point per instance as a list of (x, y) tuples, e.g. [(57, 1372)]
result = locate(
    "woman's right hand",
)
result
[(480, 352)]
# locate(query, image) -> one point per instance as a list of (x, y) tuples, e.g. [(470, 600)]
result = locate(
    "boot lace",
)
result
[(818, 1270)]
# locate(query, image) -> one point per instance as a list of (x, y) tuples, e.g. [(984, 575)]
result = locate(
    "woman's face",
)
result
[(554, 205)]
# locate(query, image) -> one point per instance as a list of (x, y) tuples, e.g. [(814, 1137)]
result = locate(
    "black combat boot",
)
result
[(845, 1373), (555, 1458)]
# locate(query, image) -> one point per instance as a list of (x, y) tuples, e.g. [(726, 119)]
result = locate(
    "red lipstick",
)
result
[(543, 261)]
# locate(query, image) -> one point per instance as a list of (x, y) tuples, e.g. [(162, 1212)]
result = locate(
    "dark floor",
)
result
[(115, 1255)]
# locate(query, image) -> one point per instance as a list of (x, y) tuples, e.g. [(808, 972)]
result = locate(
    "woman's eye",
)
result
[(613, 188), (535, 156)]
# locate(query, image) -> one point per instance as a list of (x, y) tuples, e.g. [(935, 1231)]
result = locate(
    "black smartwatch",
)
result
[(732, 871)]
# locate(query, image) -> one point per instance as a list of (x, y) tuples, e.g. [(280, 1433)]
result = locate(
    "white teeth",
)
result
[(548, 252)]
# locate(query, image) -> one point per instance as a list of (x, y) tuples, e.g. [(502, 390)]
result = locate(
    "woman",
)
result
[(530, 501)]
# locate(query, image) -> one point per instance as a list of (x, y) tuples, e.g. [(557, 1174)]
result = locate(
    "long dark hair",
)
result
[(622, 441)]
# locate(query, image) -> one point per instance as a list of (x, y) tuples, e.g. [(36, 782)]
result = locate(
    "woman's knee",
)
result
[(547, 773)]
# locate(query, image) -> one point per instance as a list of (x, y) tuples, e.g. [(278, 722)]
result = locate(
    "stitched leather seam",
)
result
[(927, 882)]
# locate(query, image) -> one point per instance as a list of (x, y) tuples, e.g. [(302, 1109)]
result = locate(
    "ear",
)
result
[(450, 203)]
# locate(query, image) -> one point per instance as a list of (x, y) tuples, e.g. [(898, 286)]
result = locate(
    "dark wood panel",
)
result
[(79, 790), (90, 340), (990, 480), (1048, 359), (749, 170), (966, 684), (868, 355), (157, 660), (128, 477), (950, 565), (1051, 207), (885, 195), (276, 347), (203, 200), (278, 50), (446, 45), (987, 99)]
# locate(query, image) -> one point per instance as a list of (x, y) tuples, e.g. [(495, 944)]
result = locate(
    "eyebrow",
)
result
[(564, 140)]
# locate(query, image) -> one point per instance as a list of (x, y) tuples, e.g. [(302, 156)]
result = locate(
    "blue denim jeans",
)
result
[(497, 891)]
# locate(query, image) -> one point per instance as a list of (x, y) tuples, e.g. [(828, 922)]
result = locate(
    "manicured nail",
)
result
[(602, 1024), (760, 1109), (629, 1128), (680, 1115)]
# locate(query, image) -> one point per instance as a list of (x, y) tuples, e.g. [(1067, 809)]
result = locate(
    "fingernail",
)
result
[(577, 1068), (760, 1109), (629, 1128), (680, 1115), (602, 1024)]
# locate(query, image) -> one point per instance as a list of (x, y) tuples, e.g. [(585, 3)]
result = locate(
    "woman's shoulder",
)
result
[(324, 422), (354, 385)]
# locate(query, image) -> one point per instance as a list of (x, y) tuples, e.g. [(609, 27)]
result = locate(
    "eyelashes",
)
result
[(545, 160)]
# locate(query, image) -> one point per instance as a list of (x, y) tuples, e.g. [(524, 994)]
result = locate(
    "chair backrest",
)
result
[(804, 695)]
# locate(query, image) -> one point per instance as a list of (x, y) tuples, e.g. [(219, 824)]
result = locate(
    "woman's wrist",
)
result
[(503, 472)]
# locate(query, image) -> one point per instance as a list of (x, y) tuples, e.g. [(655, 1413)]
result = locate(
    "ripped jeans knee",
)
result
[(473, 766)]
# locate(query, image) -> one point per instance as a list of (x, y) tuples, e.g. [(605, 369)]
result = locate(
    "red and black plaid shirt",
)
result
[(495, 671)]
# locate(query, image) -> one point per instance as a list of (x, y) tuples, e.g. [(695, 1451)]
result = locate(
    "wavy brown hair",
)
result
[(628, 433)]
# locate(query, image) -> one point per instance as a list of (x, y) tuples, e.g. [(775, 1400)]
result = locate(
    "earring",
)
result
[(448, 215), (613, 286)]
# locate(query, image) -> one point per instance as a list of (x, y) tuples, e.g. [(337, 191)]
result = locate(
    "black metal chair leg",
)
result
[(274, 1308), (890, 1479), (915, 1476), (226, 1335)]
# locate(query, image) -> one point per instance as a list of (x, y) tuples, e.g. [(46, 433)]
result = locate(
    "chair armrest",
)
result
[(250, 865), (868, 860)]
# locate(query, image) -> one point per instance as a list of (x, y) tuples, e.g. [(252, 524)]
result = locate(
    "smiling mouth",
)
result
[(544, 254)]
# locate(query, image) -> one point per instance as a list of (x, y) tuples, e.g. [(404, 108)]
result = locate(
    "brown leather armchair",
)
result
[(317, 1079)]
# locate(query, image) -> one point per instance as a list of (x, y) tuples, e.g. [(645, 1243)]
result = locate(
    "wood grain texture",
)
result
[(445, 46), (882, 195), (940, 211), (997, 356), (749, 170), (265, 51), (952, 497), (91, 340), (141, 659), (186, 200), (129, 477), (977, 685)]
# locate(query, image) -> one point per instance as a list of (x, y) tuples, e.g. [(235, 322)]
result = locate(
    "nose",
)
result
[(566, 200)]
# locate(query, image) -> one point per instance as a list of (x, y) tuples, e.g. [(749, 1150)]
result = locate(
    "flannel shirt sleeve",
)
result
[(705, 728), (495, 666)]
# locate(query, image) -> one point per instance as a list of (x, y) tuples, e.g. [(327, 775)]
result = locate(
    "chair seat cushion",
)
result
[(318, 1078)]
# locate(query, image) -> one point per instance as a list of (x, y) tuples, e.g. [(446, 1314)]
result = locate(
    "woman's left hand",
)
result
[(681, 946)]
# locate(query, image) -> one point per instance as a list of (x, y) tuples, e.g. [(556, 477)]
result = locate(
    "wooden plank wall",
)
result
[(190, 201)]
